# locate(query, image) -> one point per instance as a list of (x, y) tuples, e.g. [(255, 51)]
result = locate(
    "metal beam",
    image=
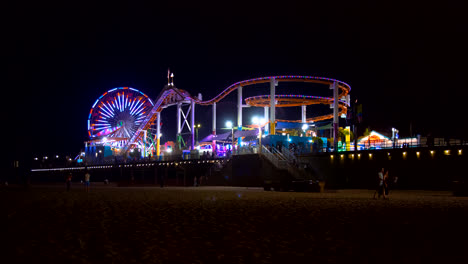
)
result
[(273, 84), (192, 118)]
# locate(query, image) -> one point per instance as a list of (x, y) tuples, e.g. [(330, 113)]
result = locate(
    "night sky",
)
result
[(405, 63)]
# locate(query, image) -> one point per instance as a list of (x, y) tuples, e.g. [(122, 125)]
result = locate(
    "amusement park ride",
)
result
[(124, 118)]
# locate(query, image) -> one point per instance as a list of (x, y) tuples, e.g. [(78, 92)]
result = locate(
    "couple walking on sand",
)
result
[(383, 184)]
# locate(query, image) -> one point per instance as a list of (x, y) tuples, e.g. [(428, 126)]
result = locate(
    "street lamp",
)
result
[(229, 125)]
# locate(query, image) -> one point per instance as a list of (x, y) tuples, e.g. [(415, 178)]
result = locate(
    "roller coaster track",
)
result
[(171, 94)]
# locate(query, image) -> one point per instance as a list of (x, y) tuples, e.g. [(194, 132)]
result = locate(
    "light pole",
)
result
[(229, 125), (196, 130), (258, 123)]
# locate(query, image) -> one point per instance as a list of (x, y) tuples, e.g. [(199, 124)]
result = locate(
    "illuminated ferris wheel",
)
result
[(117, 114)]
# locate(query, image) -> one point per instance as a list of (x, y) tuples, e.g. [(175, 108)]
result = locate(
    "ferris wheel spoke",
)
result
[(106, 111), (108, 107), (131, 104), (104, 114), (101, 128), (116, 104), (136, 109), (139, 111), (137, 105)]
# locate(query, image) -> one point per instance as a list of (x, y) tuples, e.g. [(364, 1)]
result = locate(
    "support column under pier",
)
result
[(239, 114), (335, 116), (158, 135), (213, 143), (272, 106), (192, 123)]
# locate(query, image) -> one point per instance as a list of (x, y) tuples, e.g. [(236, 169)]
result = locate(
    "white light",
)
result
[(56, 156), (229, 124), (45, 157), (169, 150), (305, 126), (104, 139), (100, 151), (255, 120), (35, 158)]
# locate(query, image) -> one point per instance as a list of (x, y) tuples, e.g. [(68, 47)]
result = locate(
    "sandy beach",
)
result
[(230, 225)]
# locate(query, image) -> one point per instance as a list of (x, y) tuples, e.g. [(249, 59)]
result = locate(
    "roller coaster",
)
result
[(145, 113)]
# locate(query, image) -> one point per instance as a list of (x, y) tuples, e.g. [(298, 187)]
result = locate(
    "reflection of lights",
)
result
[(305, 126)]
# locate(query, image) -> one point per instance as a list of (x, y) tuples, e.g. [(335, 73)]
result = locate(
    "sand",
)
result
[(230, 225)]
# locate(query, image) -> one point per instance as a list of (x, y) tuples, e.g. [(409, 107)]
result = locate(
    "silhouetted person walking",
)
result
[(68, 181), (86, 180)]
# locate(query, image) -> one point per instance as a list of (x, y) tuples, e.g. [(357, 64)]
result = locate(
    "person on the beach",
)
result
[(386, 185), (86, 180), (380, 186), (68, 180)]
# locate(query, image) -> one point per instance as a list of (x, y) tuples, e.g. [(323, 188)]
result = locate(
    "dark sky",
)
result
[(405, 62)]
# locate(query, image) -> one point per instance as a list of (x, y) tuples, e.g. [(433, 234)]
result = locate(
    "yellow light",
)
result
[(388, 153), (359, 155), (404, 153), (417, 153), (352, 155), (331, 156), (370, 155), (459, 152), (447, 152), (342, 156), (432, 152)]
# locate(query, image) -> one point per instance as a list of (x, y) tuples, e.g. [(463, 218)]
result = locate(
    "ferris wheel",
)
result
[(117, 114)]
